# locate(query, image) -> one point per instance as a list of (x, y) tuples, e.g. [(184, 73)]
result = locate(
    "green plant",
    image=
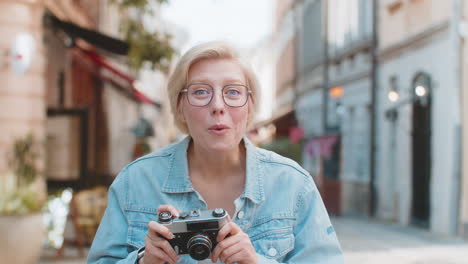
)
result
[(284, 147), (145, 46), (22, 189)]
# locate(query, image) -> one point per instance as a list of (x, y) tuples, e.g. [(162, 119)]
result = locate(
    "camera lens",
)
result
[(199, 247)]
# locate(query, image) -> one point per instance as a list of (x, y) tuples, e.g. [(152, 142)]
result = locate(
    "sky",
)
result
[(242, 22)]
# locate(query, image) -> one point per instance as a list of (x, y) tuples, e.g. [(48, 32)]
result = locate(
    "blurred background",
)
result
[(369, 96)]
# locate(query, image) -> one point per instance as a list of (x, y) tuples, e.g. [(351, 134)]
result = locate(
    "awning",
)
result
[(283, 119), (321, 146), (111, 74), (115, 77), (94, 38)]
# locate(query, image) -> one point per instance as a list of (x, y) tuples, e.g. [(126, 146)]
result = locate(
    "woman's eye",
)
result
[(232, 92), (200, 92)]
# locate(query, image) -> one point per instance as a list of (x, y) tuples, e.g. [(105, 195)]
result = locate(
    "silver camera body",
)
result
[(194, 231)]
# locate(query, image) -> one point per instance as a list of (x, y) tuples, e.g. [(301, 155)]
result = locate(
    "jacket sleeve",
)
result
[(109, 244), (315, 239)]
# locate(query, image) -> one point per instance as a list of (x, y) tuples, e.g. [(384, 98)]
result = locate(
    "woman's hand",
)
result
[(157, 249), (234, 246)]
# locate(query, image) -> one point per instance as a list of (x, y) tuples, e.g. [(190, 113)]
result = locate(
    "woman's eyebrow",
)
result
[(227, 81), (233, 80), (198, 81)]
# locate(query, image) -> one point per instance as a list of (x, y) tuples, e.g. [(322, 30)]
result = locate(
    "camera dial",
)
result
[(184, 215), (194, 213), (219, 212), (165, 217)]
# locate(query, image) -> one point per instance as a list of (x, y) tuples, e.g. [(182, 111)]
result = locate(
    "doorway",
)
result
[(421, 153)]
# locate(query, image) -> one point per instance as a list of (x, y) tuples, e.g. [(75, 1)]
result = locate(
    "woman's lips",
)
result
[(218, 129)]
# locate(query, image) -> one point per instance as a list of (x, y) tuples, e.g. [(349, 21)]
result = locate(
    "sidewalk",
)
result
[(365, 242), (370, 241), (71, 256)]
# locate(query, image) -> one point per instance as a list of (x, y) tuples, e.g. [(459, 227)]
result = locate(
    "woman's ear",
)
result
[(180, 111), (250, 112), (251, 106)]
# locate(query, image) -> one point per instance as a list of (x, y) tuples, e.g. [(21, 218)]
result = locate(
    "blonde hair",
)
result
[(210, 50)]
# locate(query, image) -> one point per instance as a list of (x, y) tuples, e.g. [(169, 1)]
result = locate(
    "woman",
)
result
[(276, 210)]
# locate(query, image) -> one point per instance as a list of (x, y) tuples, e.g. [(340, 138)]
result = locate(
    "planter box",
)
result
[(21, 238)]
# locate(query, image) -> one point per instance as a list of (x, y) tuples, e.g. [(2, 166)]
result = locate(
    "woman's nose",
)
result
[(217, 103)]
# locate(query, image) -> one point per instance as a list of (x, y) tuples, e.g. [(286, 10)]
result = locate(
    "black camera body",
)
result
[(195, 231)]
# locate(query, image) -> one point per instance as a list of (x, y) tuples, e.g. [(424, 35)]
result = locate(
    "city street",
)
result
[(366, 96), (368, 241)]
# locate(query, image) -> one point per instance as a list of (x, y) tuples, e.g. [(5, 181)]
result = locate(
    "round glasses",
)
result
[(201, 94)]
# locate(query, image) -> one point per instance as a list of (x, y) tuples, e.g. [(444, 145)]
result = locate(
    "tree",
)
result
[(145, 46)]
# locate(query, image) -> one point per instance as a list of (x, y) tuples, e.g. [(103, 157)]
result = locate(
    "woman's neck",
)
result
[(214, 166)]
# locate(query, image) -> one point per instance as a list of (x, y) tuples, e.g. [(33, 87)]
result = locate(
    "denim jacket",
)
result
[(280, 209)]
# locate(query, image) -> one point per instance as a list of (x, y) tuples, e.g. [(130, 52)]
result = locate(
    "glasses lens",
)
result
[(235, 95), (199, 94)]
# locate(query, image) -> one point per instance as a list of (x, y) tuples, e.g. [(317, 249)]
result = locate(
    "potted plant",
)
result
[(22, 197)]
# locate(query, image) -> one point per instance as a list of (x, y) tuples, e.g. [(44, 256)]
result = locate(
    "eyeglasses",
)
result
[(201, 94)]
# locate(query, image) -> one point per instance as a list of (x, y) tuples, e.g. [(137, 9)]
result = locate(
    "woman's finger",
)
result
[(152, 252), (164, 245), (223, 245), (228, 229), (235, 258), (168, 208), (157, 233), (225, 252), (155, 229)]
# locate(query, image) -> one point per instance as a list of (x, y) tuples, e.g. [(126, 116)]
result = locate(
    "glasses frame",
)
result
[(249, 92)]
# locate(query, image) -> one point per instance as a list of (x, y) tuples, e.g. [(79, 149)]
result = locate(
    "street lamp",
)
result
[(419, 94), (393, 96), (340, 109), (420, 91)]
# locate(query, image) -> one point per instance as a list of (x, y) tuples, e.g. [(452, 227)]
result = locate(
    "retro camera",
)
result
[(194, 231)]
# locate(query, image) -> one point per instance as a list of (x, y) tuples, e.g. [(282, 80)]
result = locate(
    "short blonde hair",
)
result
[(210, 50)]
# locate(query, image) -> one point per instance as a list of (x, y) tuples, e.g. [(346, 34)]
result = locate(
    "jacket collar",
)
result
[(178, 180)]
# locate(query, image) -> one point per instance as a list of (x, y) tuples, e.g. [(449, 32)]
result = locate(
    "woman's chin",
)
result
[(222, 147), (219, 144)]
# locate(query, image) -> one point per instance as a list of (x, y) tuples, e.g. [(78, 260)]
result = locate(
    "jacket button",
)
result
[(240, 214), (272, 252)]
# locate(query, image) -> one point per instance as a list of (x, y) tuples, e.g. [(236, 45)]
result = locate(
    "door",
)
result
[(421, 156)]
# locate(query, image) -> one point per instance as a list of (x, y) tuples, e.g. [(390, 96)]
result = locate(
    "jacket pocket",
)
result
[(274, 246), (272, 236), (136, 236), (138, 226), (276, 223)]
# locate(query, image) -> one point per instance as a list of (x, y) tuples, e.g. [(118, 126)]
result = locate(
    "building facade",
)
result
[(349, 97), (285, 49), (332, 103), (381, 81), (418, 140), (311, 65), (77, 97), (463, 206)]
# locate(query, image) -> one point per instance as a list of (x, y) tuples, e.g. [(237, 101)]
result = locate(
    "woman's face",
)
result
[(216, 126)]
